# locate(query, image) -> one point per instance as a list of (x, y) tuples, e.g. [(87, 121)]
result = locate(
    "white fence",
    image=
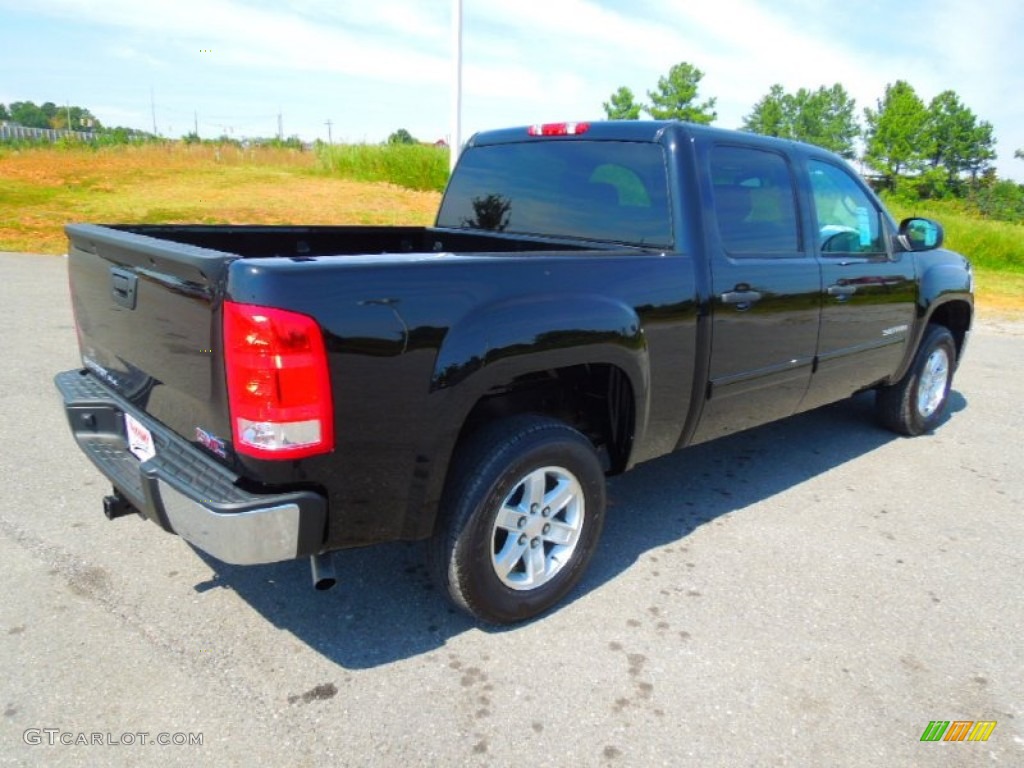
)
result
[(13, 131)]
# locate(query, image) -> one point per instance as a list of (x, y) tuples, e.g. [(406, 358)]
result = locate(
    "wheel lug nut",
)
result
[(546, 512), (534, 543), (547, 529), (522, 539), (534, 508), (522, 522)]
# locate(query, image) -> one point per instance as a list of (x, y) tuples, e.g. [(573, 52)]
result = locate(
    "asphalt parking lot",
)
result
[(810, 593)]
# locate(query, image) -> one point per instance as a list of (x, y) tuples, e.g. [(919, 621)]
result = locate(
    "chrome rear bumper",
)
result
[(186, 491)]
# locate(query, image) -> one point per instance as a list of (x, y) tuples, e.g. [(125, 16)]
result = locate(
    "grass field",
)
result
[(42, 189), (996, 249)]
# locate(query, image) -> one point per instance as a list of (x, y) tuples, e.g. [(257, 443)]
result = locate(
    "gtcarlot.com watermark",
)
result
[(53, 737)]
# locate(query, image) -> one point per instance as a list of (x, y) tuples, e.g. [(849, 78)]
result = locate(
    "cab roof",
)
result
[(639, 130)]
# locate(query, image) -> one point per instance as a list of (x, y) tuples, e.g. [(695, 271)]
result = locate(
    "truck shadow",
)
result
[(385, 608)]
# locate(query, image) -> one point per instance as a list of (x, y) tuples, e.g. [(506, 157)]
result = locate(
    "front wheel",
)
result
[(524, 508), (917, 402)]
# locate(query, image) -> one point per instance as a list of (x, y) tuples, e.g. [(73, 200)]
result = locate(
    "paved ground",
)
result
[(810, 593)]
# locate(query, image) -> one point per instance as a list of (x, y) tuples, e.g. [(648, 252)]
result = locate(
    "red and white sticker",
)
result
[(140, 439)]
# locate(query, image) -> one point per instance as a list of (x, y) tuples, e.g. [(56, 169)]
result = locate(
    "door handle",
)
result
[(123, 283), (741, 299), (841, 291)]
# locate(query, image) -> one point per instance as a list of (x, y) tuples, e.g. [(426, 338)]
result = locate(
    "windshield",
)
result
[(612, 191)]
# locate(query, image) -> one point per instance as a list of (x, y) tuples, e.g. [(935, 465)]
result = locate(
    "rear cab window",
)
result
[(608, 191)]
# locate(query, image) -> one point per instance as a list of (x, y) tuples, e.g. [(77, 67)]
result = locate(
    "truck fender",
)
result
[(498, 343), (943, 281), (528, 334), (940, 284)]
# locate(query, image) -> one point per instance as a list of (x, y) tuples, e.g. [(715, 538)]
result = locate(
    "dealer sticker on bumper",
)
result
[(140, 439)]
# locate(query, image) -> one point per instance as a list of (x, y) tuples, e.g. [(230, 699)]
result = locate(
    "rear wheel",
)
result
[(917, 402), (524, 511)]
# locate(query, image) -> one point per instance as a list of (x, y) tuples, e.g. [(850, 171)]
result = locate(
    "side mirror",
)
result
[(919, 234)]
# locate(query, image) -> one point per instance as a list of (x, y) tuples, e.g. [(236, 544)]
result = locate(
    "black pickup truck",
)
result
[(591, 296)]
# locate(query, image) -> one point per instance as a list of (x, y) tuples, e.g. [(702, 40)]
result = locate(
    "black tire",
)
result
[(486, 569), (917, 403)]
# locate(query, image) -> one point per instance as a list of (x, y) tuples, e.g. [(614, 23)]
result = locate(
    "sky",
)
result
[(370, 67)]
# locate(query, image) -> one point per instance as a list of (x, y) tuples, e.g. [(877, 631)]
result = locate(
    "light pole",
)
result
[(455, 143)]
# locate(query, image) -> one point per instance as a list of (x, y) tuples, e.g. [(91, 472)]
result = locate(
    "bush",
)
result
[(292, 142), (401, 136), (414, 166), (1003, 200)]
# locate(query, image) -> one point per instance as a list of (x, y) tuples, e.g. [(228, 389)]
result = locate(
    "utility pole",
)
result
[(195, 123), (455, 144), (330, 139), (152, 107), (280, 126)]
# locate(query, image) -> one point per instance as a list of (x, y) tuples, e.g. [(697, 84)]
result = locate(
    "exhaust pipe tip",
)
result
[(322, 568)]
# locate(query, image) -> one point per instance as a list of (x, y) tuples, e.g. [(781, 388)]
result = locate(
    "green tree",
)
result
[(74, 119), (4, 114), (983, 151), (956, 141), (49, 115), (622, 105), (771, 115), (28, 114), (825, 117), (676, 94), (1019, 154), (401, 136), (894, 134)]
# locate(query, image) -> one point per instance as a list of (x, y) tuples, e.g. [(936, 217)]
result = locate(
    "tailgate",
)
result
[(148, 319)]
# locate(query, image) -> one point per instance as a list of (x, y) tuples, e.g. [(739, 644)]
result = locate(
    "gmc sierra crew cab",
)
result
[(591, 296)]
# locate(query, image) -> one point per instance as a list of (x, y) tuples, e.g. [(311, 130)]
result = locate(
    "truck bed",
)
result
[(299, 242)]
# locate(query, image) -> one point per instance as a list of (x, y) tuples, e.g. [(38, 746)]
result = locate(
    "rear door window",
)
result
[(754, 201)]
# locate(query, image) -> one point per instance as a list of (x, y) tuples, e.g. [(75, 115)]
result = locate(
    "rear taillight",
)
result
[(558, 129), (279, 390)]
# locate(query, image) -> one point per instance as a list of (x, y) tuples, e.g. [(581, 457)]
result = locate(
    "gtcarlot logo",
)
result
[(958, 730), (53, 737)]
